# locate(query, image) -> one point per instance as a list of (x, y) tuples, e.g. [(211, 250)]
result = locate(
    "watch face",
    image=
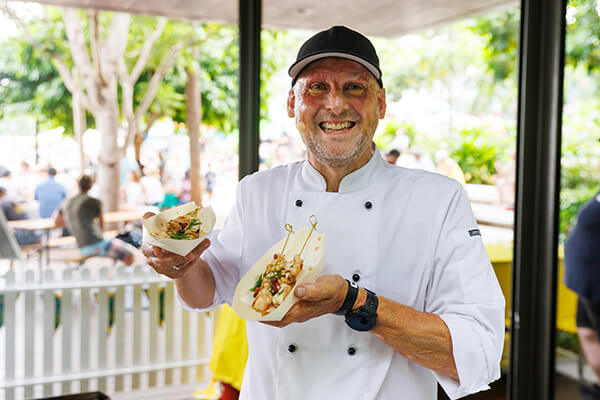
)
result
[(360, 320)]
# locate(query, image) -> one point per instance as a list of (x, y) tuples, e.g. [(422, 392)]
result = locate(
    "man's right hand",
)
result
[(170, 264)]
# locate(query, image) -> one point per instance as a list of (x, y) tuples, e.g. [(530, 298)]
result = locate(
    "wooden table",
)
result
[(122, 216), (36, 224), (47, 224)]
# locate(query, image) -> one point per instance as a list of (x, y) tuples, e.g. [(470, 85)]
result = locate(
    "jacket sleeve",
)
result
[(465, 293)]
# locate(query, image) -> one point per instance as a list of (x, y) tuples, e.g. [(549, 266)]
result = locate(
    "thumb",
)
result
[(310, 292)]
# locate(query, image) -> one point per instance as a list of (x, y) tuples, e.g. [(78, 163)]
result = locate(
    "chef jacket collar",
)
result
[(354, 181)]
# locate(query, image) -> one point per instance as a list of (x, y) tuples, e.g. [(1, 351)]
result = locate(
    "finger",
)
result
[(158, 252), (148, 214), (147, 250), (198, 250)]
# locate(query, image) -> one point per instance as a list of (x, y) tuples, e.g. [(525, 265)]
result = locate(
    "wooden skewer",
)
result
[(290, 230), (313, 221)]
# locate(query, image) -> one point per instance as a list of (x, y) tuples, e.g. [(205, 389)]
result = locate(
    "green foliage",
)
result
[(35, 87), (580, 168), (477, 153), (568, 341), (501, 31), (384, 139)]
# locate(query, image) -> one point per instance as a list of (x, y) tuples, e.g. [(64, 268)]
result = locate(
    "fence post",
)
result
[(30, 306), (84, 337), (137, 327), (9, 326), (102, 327), (119, 327), (66, 315), (153, 342), (169, 335), (49, 318)]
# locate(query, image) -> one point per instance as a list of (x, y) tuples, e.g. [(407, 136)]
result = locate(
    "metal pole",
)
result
[(250, 25), (541, 68)]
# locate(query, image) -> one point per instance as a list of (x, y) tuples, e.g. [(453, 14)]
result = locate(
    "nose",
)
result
[(335, 101)]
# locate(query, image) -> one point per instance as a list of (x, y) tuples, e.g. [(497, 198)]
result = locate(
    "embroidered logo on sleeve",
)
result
[(474, 232)]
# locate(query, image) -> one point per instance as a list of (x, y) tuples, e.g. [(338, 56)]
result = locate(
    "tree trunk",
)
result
[(193, 113), (107, 122), (79, 127)]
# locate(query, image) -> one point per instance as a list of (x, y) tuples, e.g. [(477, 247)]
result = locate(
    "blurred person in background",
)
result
[(152, 188), (505, 180), (392, 156), (185, 191), (582, 275), (28, 180), (422, 161), (82, 215), (132, 190), (14, 212), (448, 166), (407, 159), (14, 189), (209, 179), (49, 194)]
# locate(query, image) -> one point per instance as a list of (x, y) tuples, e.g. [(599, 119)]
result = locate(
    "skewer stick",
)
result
[(290, 230), (313, 221)]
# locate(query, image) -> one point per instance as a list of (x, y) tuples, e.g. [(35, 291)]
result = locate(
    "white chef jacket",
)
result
[(409, 236)]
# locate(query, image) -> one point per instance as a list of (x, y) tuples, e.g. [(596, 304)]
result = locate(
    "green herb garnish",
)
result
[(179, 235), (258, 283)]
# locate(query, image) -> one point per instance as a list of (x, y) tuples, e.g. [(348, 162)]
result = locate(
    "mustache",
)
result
[(347, 115)]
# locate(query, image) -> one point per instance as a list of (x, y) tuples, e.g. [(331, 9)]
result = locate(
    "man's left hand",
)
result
[(323, 296)]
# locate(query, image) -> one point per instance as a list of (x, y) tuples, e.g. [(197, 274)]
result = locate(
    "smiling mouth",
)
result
[(330, 127)]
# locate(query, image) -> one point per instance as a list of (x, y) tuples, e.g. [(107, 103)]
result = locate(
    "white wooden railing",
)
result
[(109, 329)]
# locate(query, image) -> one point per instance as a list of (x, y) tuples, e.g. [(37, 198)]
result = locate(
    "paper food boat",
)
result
[(157, 223), (313, 265)]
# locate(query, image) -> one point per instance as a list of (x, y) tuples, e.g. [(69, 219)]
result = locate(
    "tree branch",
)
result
[(94, 43), (60, 64), (79, 50), (165, 65), (147, 50), (114, 45)]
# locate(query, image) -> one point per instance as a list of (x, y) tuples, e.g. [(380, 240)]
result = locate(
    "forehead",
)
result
[(337, 66)]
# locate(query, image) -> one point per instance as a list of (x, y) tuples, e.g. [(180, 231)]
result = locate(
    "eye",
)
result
[(354, 87), (317, 86)]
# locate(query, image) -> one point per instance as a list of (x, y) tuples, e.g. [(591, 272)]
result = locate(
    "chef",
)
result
[(407, 297)]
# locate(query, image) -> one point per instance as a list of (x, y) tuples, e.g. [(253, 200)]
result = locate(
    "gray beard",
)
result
[(322, 155)]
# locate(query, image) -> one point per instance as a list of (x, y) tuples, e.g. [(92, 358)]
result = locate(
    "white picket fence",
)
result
[(110, 334)]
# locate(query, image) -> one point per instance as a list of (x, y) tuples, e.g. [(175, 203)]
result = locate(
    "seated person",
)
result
[(13, 212), (82, 214)]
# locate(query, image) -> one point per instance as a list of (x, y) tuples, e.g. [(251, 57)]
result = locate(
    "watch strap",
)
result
[(351, 295), (364, 318)]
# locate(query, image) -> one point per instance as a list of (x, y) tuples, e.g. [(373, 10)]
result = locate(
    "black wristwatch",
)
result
[(364, 318), (351, 295)]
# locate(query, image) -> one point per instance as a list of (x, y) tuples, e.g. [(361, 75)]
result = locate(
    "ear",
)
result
[(381, 104), (291, 103)]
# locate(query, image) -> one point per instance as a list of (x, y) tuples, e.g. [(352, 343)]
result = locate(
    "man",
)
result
[(49, 194), (433, 310), (392, 156), (582, 275), (14, 212), (82, 215)]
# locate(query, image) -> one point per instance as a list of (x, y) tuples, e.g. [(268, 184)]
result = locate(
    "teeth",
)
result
[(331, 126)]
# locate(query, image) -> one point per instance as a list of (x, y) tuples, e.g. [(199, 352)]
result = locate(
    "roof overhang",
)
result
[(387, 18)]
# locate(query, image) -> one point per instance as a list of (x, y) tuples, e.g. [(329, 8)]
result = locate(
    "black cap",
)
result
[(337, 41)]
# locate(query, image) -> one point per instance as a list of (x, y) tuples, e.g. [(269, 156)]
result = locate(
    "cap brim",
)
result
[(296, 68)]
